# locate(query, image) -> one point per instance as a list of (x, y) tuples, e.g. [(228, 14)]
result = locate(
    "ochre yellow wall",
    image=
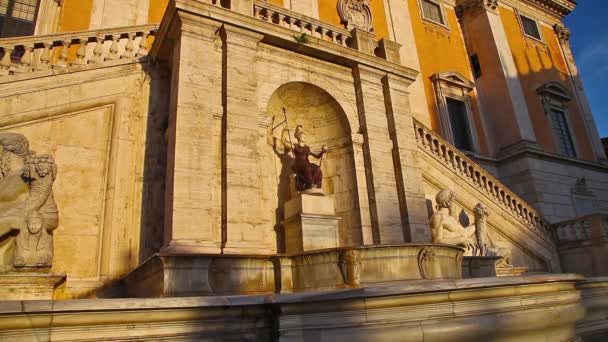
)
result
[(328, 12), (157, 10), (278, 2), (75, 15), (539, 63), (440, 50)]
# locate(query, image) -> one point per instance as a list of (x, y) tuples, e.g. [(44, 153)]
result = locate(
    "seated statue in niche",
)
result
[(308, 175), (33, 246), (445, 227), (26, 187)]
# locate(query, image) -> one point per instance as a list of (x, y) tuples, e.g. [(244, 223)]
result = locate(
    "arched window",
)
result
[(18, 17)]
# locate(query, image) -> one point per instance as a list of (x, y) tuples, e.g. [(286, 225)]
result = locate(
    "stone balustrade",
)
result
[(300, 23), (452, 158), (592, 227), (56, 51)]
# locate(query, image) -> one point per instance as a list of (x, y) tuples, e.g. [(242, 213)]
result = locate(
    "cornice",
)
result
[(558, 8)]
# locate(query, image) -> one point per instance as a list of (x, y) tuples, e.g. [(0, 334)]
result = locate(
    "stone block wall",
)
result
[(109, 151)]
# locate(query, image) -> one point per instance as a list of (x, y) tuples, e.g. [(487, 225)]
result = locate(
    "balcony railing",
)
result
[(592, 227), (300, 23), (59, 51), (454, 159)]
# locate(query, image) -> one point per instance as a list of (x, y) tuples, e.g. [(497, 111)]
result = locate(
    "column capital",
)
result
[(562, 32), (476, 7)]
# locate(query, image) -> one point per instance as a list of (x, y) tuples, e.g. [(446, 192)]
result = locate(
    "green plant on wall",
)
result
[(301, 39)]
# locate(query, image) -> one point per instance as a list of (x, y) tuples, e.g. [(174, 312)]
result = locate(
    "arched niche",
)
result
[(325, 123)]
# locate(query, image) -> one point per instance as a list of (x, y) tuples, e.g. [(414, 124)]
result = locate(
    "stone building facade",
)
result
[(165, 120)]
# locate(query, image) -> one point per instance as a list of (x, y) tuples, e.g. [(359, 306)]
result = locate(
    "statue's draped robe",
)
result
[(309, 175)]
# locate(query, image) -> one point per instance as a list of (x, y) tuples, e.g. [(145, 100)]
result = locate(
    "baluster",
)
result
[(300, 26), (324, 33), (282, 19), (290, 22), (257, 12), (26, 60), (45, 57), (270, 15), (114, 48), (313, 31), (63, 57), (82, 52), (342, 40), (129, 46), (333, 35), (5, 62), (98, 51), (143, 45)]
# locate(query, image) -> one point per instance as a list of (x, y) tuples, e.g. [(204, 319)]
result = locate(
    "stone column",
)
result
[(246, 228), (407, 166), (563, 35), (485, 35), (384, 203), (193, 197)]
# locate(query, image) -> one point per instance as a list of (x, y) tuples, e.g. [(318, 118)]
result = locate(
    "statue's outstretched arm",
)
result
[(287, 145)]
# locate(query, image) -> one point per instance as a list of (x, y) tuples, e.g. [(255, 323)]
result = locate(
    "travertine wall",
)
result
[(549, 184), (95, 124)]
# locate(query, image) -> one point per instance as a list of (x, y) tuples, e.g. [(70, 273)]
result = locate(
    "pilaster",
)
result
[(399, 21), (193, 195), (563, 35), (485, 35), (408, 170), (245, 226), (384, 203)]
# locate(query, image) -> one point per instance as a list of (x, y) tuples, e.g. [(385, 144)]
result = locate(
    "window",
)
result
[(530, 27), (562, 133), (457, 111), (454, 104), (555, 98), (431, 10), (475, 65), (18, 17)]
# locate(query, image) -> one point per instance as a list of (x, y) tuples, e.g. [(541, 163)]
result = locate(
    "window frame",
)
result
[(555, 96), (454, 85), (48, 16), (441, 6), (523, 30)]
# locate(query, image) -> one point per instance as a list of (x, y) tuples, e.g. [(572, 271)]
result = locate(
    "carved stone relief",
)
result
[(350, 266), (356, 14), (27, 204)]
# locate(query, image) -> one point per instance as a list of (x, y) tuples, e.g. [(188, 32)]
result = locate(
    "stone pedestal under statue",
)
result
[(310, 223), (479, 266), (29, 286)]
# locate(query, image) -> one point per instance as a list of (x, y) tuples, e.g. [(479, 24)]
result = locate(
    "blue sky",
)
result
[(589, 41)]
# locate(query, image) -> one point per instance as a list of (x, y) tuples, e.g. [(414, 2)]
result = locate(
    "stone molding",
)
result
[(521, 303)]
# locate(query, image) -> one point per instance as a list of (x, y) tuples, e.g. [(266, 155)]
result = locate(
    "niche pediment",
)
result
[(555, 90), (453, 78)]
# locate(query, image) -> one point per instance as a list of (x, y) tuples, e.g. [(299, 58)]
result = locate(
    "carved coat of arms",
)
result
[(356, 14)]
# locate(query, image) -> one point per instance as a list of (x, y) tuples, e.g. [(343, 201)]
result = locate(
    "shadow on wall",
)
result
[(155, 166)]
